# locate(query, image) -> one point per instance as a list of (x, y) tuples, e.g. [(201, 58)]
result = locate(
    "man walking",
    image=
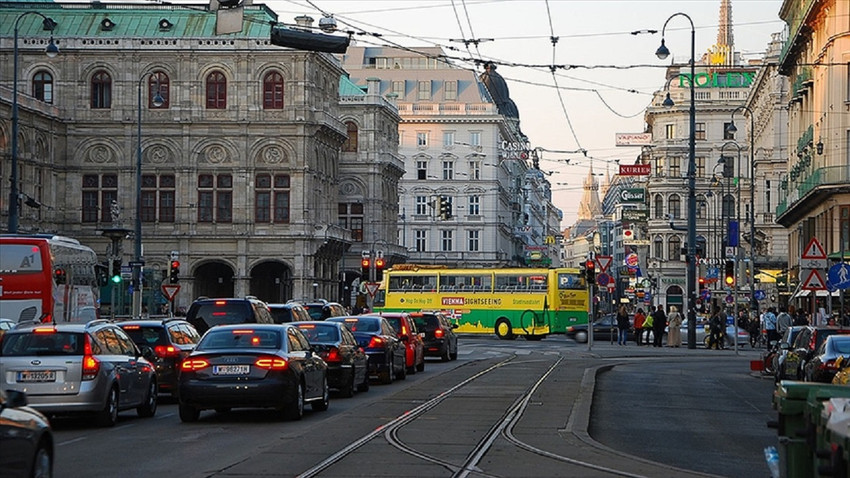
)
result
[(783, 321), (659, 322), (770, 325)]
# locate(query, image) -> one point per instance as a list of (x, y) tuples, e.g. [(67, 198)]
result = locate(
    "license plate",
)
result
[(37, 376), (231, 369)]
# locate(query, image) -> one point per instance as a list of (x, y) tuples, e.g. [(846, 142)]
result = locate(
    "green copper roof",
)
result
[(348, 88), (130, 20)]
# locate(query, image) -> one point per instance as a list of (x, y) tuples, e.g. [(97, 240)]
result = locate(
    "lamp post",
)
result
[(137, 264), (733, 129), (735, 242), (663, 53), (52, 50)]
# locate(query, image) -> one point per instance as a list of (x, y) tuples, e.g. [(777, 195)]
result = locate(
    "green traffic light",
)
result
[(116, 279)]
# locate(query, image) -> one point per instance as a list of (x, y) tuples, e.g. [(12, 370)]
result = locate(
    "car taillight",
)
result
[(376, 342), (91, 365), (439, 333), (403, 330), (332, 355), (271, 363), (193, 364), (166, 351)]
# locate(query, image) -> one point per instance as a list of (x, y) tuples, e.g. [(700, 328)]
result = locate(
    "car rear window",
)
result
[(841, 345), (427, 322), (240, 339), (42, 344), (224, 312), (395, 322), (316, 311), (320, 334), (143, 335), (362, 325), (281, 315)]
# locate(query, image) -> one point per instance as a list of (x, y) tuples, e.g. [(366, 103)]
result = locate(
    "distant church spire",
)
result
[(725, 37), (590, 206)]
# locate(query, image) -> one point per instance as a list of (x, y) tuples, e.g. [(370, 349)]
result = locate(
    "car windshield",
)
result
[(321, 334), (46, 343), (240, 339)]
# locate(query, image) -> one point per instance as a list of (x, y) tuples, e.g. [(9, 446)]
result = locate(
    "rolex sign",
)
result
[(633, 195)]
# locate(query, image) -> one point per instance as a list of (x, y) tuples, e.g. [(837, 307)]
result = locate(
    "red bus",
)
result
[(49, 279)]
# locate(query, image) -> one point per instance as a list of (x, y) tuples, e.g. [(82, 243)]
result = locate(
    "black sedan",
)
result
[(822, 367), (440, 338), (348, 364), (253, 365), (26, 440), (604, 330), (386, 351)]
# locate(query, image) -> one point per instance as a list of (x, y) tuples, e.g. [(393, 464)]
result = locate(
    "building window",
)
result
[(215, 198), (158, 83), (158, 196), (675, 206), (659, 166), (674, 249), (474, 205), (350, 144), (659, 206), (421, 205), (448, 169), (670, 131), (699, 166), (351, 218), (448, 139), (446, 240), (422, 140), (699, 131), (475, 138), (702, 208), (99, 192), (101, 90), (42, 86), (475, 169), (271, 198), (728, 206), (422, 170), (674, 167), (421, 240), (398, 88), (844, 228), (273, 91), (425, 90), (726, 133), (216, 91), (658, 248), (473, 243), (768, 206), (451, 90)]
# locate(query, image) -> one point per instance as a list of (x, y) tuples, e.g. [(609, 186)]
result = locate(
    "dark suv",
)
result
[(439, 334), (206, 313), (170, 340), (322, 309), (289, 312)]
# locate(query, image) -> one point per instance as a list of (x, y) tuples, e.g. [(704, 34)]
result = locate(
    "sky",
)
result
[(605, 75)]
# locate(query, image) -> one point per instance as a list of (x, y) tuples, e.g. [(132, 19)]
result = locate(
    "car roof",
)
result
[(71, 327), (152, 322), (287, 305), (252, 326)]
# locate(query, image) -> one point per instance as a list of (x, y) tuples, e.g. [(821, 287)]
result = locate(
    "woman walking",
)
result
[(674, 334), (622, 325)]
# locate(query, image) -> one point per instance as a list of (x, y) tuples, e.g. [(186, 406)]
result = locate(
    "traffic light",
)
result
[(174, 275), (365, 265), (115, 277), (701, 283), (445, 207), (379, 268), (590, 271), (729, 273)]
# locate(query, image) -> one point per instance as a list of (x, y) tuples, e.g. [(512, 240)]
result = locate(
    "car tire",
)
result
[(421, 366), (446, 356), (294, 410), (388, 376), (148, 407), (322, 404), (580, 337), (364, 387), (109, 415), (453, 355), (503, 330), (42, 463), (188, 413), (347, 390), (410, 370)]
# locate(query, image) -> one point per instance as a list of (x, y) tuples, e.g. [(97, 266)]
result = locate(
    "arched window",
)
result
[(674, 249), (101, 90), (273, 91), (216, 91), (658, 248), (350, 145), (728, 206), (42, 86), (659, 207), (158, 83), (675, 206)]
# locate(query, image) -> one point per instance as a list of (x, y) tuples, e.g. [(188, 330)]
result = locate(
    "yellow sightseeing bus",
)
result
[(510, 302)]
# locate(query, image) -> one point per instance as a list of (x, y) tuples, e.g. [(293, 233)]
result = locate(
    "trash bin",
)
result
[(821, 403), (834, 459), (796, 458)]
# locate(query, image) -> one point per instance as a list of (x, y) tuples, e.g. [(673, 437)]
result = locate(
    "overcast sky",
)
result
[(615, 72)]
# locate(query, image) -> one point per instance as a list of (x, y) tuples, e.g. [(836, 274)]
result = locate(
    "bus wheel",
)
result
[(503, 330)]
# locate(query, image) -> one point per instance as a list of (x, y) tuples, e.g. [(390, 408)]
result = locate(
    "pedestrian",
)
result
[(783, 321), (715, 330), (622, 325), (674, 335), (659, 322), (639, 320), (770, 325), (646, 330), (798, 315)]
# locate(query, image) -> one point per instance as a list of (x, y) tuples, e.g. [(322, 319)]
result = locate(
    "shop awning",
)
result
[(800, 292)]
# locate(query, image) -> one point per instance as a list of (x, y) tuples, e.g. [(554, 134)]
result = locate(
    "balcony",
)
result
[(796, 22), (797, 197)]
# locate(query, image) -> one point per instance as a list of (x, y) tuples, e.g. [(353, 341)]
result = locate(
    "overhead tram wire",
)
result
[(554, 41)]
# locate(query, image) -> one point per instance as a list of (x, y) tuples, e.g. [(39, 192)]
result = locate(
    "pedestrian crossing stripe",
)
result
[(814, 281)]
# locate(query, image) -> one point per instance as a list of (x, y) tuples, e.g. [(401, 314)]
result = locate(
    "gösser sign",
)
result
[(633, 195)]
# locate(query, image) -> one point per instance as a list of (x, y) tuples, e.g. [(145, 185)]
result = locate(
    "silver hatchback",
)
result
[(71, 368)]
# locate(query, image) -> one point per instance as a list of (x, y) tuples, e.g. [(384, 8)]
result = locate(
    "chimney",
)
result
[(304, 21), (373, 86)]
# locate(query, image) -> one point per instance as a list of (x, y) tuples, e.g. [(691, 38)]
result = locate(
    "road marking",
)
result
[(71, 441), (167, 415)]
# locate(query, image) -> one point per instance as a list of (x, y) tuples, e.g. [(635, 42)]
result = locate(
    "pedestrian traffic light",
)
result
[(115, 277), (729, 275), (174, 275), (590, 271), (379, 269), (365, 265), (445, 210)]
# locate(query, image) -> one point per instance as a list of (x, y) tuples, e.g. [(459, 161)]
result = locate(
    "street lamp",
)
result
[(663, 53), (736, 233), (733, 129), (52, 50), (137, 264)]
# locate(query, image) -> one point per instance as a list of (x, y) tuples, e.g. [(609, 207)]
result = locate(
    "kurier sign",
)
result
[(635, 169), (633, 195)]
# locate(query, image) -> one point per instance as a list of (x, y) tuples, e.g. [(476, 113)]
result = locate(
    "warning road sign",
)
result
[(814, 281), (814, 256), (170, 291)]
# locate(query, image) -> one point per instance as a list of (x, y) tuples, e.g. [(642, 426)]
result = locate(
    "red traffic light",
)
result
[(589, 265), (379, 263), (365, 263), (175, 264)]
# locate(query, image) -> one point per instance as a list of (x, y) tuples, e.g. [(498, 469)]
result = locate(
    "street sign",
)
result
[(729, 299), (839, 276), (814, 281), (760, 294), (137, 263), (603, 279), (730, 252), (170, 291), (604, 262), (372, 288), (814, 256)]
